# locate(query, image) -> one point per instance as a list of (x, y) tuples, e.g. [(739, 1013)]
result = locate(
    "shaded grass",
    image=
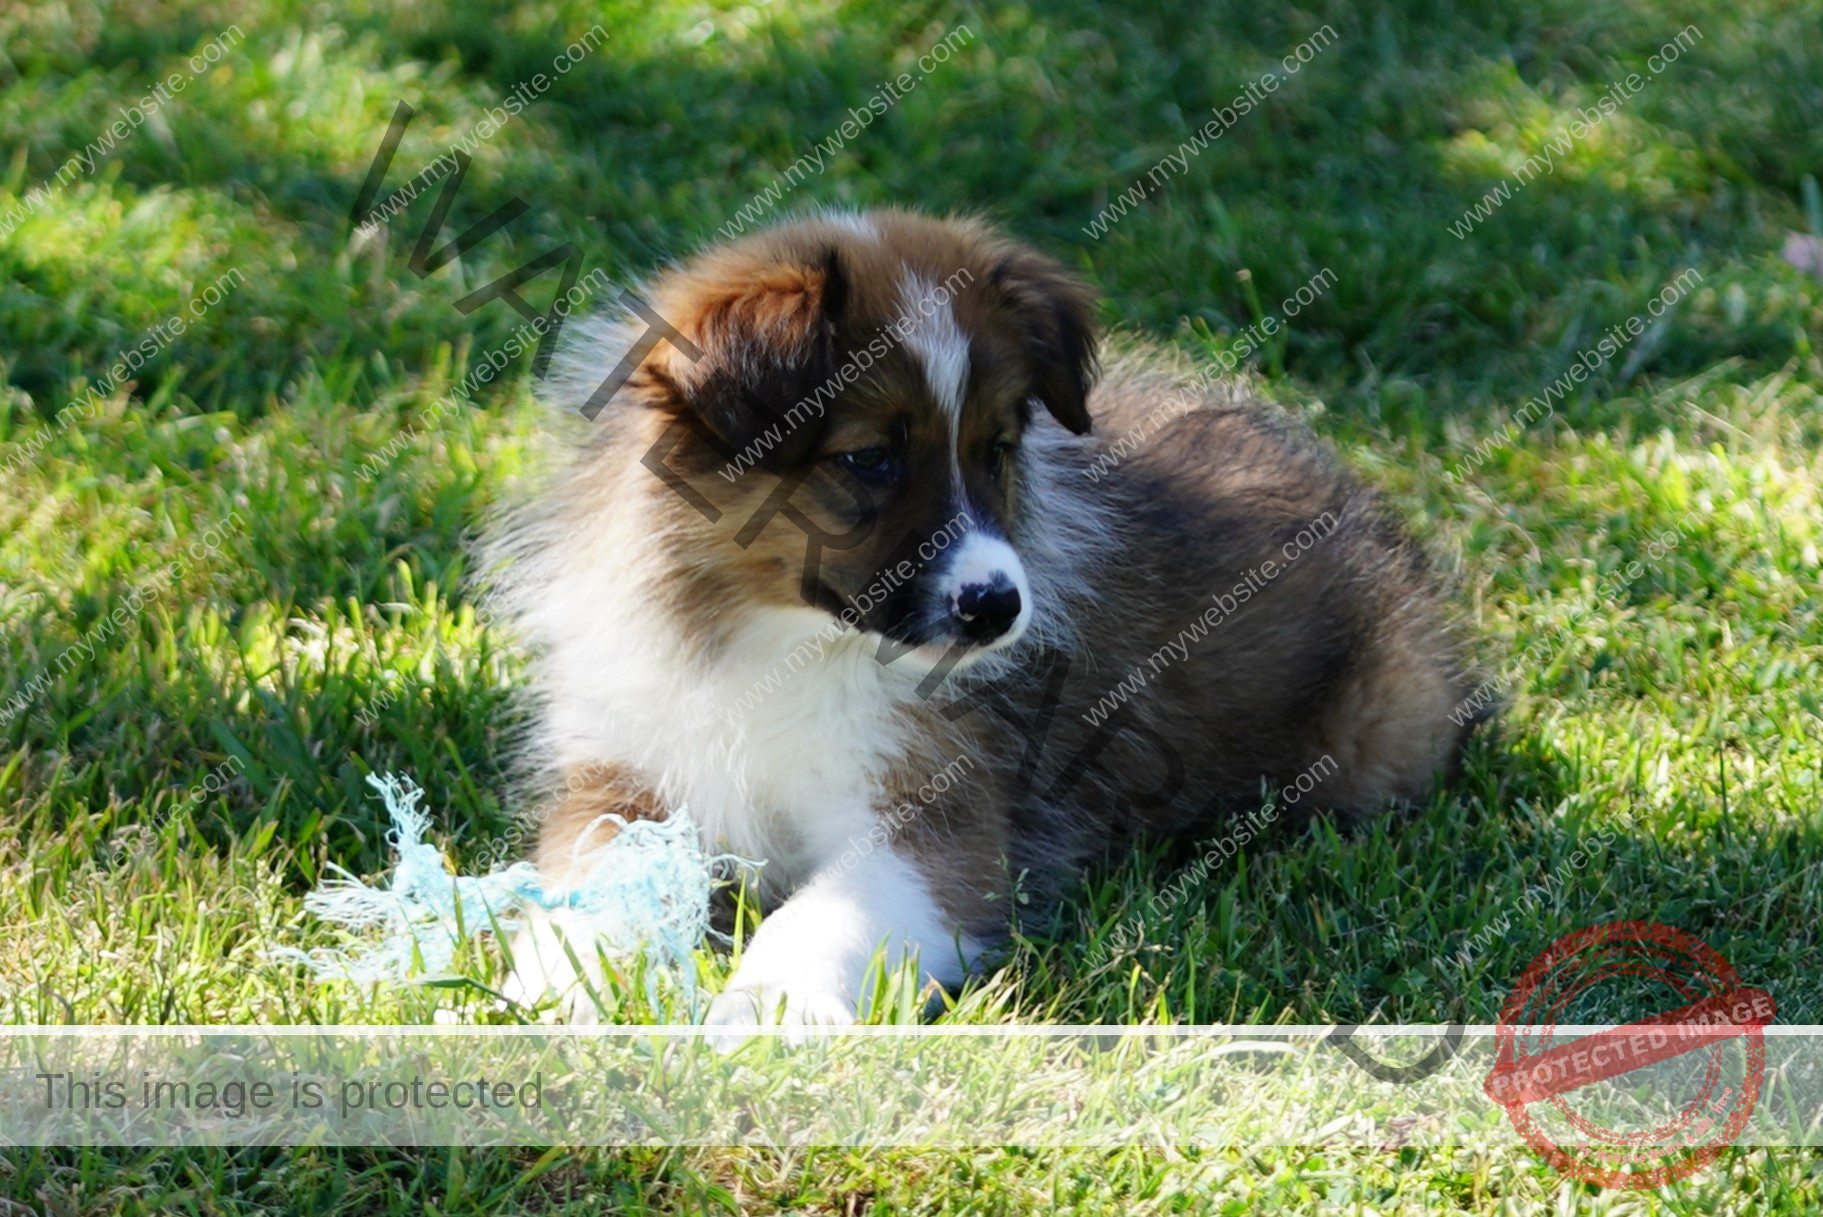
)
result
[(328, 638)]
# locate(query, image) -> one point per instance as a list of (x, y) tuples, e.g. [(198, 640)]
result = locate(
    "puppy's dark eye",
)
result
[(1000, 454), (873, 464)]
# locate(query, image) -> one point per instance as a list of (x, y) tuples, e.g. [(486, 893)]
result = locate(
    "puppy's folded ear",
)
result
[(767, 332), (1056, 313)]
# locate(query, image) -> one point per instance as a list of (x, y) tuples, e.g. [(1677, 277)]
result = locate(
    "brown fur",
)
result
[(591, 792), (1345, 654)]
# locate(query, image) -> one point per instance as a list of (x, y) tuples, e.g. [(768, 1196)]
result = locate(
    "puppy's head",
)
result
[(854, 416)]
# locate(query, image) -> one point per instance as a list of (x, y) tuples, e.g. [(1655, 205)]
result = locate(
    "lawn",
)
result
[(231, 577)]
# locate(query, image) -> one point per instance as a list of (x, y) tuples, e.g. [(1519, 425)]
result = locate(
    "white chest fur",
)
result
[(776, 745)]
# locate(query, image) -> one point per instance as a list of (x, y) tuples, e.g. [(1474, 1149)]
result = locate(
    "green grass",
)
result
[(1685, 709)]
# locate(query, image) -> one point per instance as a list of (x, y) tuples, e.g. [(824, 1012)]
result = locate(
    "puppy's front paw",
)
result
[(742, 1008), (545, 955)]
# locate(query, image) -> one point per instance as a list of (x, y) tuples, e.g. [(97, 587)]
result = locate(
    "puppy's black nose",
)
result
[(986, 611)]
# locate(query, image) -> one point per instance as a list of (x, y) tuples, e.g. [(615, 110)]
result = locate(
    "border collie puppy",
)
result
[(847, 570)]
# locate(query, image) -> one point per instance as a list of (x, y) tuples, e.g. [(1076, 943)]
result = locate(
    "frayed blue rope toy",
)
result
[(645, 889)]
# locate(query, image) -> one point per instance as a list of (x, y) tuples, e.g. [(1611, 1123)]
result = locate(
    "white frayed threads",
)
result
[(644, 890)]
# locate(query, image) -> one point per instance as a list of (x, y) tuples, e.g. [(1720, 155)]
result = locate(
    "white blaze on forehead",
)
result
[(937, 342)]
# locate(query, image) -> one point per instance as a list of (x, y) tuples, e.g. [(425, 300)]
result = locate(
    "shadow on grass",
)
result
[(651, 144), (1427, 916)]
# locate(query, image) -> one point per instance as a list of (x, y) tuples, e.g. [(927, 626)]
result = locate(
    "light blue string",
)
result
[(646, 889)]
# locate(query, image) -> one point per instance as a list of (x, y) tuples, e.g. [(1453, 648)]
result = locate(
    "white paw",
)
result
[(804, 1013), (542, 965)]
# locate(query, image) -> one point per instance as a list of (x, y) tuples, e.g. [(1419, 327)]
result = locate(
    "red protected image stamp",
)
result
[(1536, 1074)]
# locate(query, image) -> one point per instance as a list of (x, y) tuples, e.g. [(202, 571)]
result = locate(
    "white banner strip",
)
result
[(1580, 1088)]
